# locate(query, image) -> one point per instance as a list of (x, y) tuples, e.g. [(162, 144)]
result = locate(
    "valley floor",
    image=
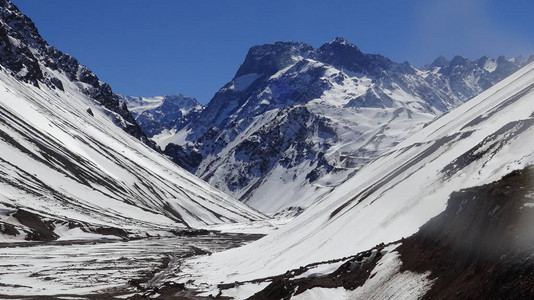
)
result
[(89, 269)]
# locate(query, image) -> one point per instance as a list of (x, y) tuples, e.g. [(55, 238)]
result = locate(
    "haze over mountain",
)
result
[(295, 121)]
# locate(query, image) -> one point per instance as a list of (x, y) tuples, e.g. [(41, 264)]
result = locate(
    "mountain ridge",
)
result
[(24, 51), (361, 105), (471, 151)]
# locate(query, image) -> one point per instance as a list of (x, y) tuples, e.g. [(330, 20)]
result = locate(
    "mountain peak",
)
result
[(341, 41), (343, 54), (440, 62), (181, 100), (270, 58), (459, 60)]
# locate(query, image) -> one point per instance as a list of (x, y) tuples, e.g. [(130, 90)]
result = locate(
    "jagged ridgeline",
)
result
[(296, 121), (463, 185)]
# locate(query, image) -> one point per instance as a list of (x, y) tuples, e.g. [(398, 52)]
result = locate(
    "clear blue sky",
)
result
[(156, 47)]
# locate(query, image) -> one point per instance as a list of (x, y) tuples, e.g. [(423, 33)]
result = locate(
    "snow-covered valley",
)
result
[(387, 181), (107, 268)]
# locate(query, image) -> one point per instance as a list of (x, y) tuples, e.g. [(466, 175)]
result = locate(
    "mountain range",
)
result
[(295, 121), (445, 211)]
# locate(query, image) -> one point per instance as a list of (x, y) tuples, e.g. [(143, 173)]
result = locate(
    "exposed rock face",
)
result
[(484, 238), (305, 119), (28, 57)]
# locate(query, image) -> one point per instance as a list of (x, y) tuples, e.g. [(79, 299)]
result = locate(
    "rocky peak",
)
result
[(440, 62), (182, 101), (270, 58), (481, 62), (459, 61), (458, 65), (345, 55), (340, 41)]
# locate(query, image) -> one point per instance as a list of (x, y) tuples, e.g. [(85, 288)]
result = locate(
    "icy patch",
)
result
[(66, 234), (528, 205), (257, 227)]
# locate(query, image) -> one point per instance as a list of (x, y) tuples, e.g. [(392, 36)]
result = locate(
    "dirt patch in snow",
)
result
[(41, 230)]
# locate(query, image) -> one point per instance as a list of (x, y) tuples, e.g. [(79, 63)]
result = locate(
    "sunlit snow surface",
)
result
[(477, 143), (61, 161)]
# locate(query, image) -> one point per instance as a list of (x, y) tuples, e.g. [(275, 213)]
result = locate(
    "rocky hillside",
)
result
[(68, 171), (29, 58)]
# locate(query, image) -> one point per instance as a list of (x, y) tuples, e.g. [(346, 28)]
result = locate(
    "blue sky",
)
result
[(193, 47)]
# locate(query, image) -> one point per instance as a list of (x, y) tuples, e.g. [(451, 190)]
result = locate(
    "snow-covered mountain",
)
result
[(476, 158), (26, 56), (68, 163), (295, 121), (161, 116)]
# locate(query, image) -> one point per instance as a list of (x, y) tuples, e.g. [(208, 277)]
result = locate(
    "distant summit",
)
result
[(163, 114)]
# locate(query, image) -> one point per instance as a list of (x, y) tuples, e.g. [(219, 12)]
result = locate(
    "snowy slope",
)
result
[(71, 156), (60, 160), (474, 144), (27, 56), (295, 122)]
